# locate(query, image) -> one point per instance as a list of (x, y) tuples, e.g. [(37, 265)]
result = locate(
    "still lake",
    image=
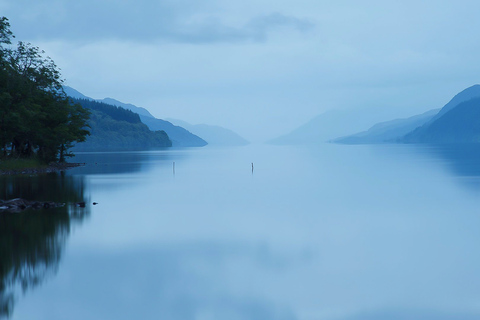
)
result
[(320, 232)]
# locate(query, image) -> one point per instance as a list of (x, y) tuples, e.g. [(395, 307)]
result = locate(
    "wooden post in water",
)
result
[(252, 167)]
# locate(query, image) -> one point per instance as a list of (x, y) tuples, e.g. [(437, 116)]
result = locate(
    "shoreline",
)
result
[(52, 167)]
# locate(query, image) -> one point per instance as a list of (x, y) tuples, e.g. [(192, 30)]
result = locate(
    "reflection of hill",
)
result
[(109, 163), (116, 162), (32, 242), (462, 159)]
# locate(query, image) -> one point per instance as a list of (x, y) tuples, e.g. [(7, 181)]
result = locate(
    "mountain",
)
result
[(141, 111), (389, 131), (333, 124), (179, 136), (460, 124), (416, 129), (116, 128), (465, 95), (74, 93), (455, 123), (214, 135), (78, 95)]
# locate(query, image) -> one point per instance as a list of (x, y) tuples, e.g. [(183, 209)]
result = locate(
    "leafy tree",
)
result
[(36, 117)]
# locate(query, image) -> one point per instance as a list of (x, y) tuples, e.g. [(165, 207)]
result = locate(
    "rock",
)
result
[(17, 205)]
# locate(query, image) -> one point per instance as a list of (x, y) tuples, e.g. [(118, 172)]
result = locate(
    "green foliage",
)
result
[(36, 117)]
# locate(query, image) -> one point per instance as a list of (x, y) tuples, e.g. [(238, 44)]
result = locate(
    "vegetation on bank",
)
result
[(7, 165), (37, 119)]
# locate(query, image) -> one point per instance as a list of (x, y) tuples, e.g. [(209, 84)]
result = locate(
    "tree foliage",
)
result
[(36, 117)]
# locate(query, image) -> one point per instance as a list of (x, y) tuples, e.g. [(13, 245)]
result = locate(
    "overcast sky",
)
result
[(259, 67)]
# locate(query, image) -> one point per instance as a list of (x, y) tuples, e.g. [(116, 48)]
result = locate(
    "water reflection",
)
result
[(32, 242), (176, 282), (462, 159), (106, 163)]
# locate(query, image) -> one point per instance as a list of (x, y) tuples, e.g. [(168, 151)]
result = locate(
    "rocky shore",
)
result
[(52, 167), (17, 205)]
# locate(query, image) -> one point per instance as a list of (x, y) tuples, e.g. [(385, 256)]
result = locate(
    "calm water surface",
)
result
[(325, 232)]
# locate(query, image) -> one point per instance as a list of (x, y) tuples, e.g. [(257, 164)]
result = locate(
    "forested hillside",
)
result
[(115, 128)]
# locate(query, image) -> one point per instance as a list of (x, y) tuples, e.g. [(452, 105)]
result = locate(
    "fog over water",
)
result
[(324, 232)]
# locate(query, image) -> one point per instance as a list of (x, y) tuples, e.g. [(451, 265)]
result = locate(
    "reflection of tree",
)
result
[(31, 242)]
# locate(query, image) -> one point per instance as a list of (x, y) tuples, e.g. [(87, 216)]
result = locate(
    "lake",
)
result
[(313, 232)]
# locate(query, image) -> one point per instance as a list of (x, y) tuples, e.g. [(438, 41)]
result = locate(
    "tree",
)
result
[(36, 117)]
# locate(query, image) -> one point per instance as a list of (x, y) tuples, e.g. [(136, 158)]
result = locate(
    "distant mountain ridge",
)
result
[(141, 111), (78, 95), (331, 125), (460, 124), (388, 131), (214, 135), (456, 122), (179, 136), (465, 95)]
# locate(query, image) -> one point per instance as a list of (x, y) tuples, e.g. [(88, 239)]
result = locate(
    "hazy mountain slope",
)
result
[(333, 124), (179, 136), (465, 95), (74, 93), (460, 124), (214, 135), (389, 131), (78, 95), (129, 106)]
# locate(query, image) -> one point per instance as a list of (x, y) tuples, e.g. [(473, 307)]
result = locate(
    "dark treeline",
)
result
[(116, 113), (37, 120)]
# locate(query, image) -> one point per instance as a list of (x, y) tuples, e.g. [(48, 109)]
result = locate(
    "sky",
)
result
[(263, 67)]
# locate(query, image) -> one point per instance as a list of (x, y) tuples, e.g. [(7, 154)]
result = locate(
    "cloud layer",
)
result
[(142, 21)]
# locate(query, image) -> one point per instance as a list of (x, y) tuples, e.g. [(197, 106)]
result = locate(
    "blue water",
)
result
[(319, 232)]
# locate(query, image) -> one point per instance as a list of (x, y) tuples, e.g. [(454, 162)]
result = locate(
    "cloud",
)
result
[(140, 21), (256, 30)]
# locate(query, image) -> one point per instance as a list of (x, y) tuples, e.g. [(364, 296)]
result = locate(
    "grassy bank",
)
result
[(21, 164), (33, 166)]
